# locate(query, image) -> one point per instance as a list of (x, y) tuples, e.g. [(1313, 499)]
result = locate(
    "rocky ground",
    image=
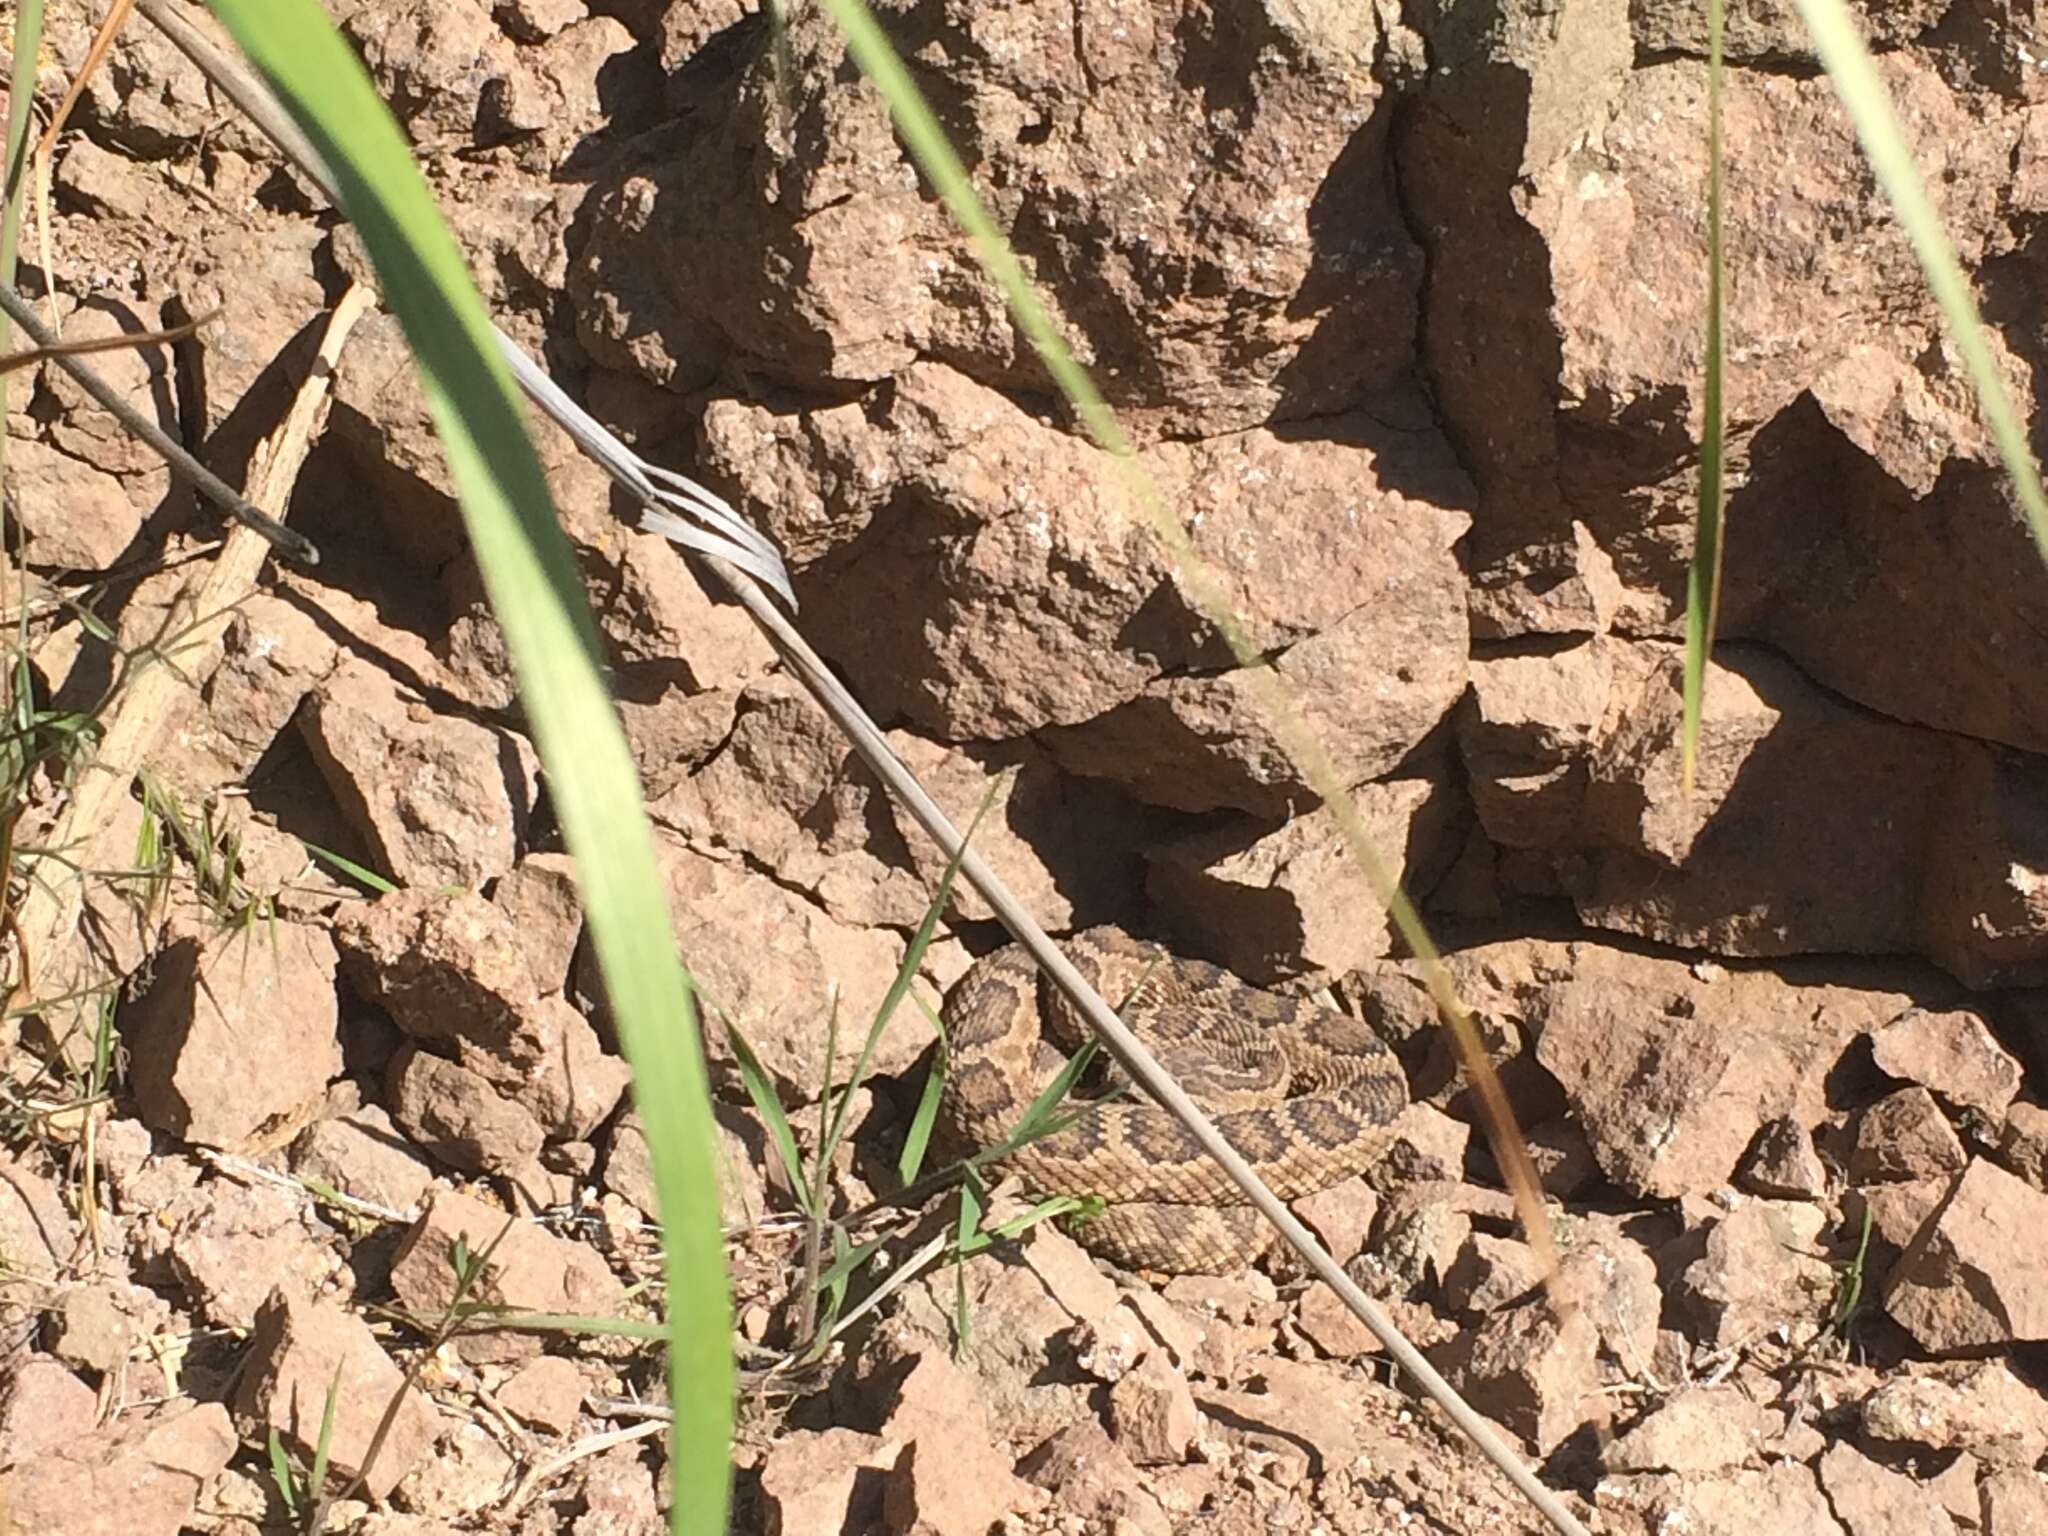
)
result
[(1403, 307)]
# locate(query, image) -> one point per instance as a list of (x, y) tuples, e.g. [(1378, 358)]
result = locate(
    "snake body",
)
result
[(1305, 1094)]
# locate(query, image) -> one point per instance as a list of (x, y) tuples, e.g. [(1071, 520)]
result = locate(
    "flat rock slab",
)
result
[(1978, 1275)]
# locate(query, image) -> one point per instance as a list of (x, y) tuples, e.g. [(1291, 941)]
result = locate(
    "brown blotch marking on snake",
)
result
[(1162, 1140), (1255, 1135), (1319, 1123), (1085, 1136), (981, 1084)]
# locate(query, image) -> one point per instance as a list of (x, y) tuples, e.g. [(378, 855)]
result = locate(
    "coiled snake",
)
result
[(1306, 1094)]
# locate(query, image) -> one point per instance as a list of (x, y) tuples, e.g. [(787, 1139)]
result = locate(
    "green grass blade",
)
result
[(832, 1284), (828, 1117), (1849, 1291), (281, 1474), (316, 1481), (356, 872), (28, 49), (761, 1089), (848, 1258), (538, 599), (964, 1228), (1703, 578), (1846, 58), (1046, 1210), (1041, 1117), (917, 1140)]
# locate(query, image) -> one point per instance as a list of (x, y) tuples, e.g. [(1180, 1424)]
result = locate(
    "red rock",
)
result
[(1331, 1326), (1103, 707), (1697, 1430), (1069, 1274), (1490, 1272), (1419, 1240), (75, 515), (1013, 1321), (298, 1349), (1289, 1408), (1955, 1485), (447, 965), (139, 1475), (1107, 1350), (1953, 1054), (440, 800), (811, 1481), (1898, 1213), (1171, 1329), (888, 304), (1671, 1073), (539, 898), (1975, 1276), (1563, 1157), (951, 1487), (363, 1155), (238, 1037), (36, 1231), (1233, 1298), (546, 1393), (528, 1270), (952, 1479), (1984, 916), (1527, 718), (1729, 1504), (237, 1243), (1759, 1271), (767, 955), (42, 1407), (1979, 1407), (467, 1473), (783, 787), (1152, 1413), (1873, 1500), (1427, 1145), (2015, 1503), (742, 1154), (1686, 869), (1905, 1136), (1265, 904), (1782, 1164), (1090, 1477), (2023, 1145), (1528, 1369), (1341, 1216), (95, 1329), (451, 970), (275, 652), (458, 1117), (619, 1496), (1611, 1275)]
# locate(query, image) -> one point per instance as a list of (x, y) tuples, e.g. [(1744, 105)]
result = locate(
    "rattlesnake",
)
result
[(1239, 1051)]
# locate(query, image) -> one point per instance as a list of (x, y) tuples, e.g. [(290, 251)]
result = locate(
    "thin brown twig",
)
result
[(15, 361), (49, 911), (102, 40), (581, 1450)]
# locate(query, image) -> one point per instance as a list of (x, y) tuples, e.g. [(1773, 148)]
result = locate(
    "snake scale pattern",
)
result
[(1306, 1094)]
